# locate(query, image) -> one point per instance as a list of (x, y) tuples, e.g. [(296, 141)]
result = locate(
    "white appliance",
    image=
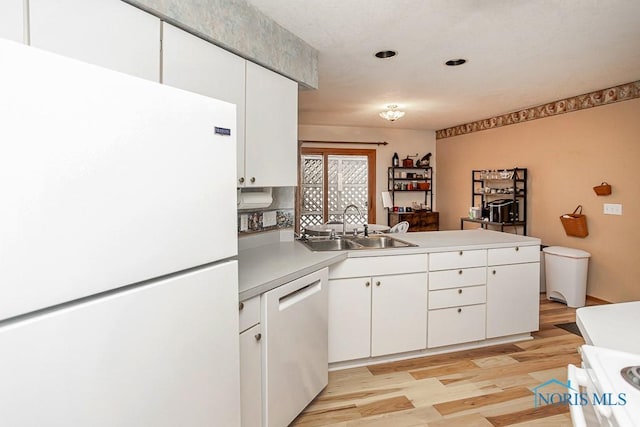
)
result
[(611, 325), (118, 291), (296, 355), (607, 397)]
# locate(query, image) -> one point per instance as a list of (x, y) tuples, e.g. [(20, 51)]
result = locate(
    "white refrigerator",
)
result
[(118, 286)]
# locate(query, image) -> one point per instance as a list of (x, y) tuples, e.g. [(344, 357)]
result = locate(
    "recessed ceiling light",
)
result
[(385, 54), (455, 62)]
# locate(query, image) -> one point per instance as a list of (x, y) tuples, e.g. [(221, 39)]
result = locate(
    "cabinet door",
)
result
[(271, 129), (456, 325), (513, 299), (399, 313), (109, 33), (251, 377), (349, 319), (193, 64), (12, 20)]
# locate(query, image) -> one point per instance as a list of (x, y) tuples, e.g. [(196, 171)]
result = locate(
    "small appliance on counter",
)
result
[(503, 210)]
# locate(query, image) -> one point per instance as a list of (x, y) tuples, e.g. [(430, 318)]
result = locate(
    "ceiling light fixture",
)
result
[(386, 54), (455, 62), (392, 113)]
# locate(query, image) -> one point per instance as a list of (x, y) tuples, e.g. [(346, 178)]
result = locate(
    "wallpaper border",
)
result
[(597, 98)]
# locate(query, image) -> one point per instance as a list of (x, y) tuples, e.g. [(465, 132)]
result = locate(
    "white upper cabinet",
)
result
[(271, 135), (109, 33), (12, 20), (193, 64)]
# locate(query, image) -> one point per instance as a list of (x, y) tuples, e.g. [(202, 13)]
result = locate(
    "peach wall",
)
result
[(403, 141), (566, 156)]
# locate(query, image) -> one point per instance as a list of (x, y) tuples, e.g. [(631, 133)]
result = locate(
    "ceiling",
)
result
[(520, 54)]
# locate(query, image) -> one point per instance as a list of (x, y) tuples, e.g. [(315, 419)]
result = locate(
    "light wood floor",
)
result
[(491, 386)]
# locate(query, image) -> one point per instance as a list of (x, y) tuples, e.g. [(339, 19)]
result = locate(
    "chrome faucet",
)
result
[(344, 218)]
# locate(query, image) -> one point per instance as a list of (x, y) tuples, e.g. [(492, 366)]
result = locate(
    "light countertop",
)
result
[(266, 267), (612, 325)]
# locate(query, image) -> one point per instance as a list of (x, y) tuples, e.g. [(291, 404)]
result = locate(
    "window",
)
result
[(332, 179)]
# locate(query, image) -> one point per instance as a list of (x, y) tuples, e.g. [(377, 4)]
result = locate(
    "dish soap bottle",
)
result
[(395, 161)]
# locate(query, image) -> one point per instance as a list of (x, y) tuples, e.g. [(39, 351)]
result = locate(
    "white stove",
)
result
[(609, 388)]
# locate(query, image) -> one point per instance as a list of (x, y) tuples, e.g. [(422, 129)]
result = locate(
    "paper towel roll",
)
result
[(254, 198)]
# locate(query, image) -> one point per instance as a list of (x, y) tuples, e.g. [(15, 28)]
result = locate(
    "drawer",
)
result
[(249, 313), (457, 259), (446, 279), (456, 325), (379, 266), (514, 255), (457, 297)]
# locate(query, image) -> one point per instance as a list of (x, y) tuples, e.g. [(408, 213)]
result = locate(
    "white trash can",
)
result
[(566, 275)]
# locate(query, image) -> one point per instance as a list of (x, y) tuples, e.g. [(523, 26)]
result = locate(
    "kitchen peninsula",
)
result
[(453, 290)]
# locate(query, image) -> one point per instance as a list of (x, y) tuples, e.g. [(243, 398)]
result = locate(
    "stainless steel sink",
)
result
[(354, 243), (377, 241), (330, 244)]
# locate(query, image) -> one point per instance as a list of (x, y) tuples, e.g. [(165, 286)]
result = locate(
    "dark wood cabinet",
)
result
[(418, 220)]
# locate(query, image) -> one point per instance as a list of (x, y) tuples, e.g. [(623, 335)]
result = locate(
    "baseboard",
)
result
[(597, 300)]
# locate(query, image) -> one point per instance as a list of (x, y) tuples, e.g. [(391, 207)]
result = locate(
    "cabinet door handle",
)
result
[(367, 284), (517, 248), (253, 179), (459, 310), (241, 180), (459, 291), (493, 272), (258, 337), (460, 253), (241, 306), (378, 283), (459, 271)]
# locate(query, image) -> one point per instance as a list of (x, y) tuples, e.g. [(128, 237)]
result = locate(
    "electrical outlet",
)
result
[(269, 219), (244, 222), (613, 209)]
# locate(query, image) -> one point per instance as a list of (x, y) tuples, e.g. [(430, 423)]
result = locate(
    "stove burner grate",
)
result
[(631, 374)]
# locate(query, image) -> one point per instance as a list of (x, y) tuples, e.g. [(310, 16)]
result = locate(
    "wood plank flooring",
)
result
[(490, 386)]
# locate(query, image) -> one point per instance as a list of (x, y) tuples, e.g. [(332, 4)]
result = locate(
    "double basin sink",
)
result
[(349, 243)]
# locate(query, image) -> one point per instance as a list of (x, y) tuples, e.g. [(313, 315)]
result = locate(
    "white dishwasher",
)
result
[(295, 351)]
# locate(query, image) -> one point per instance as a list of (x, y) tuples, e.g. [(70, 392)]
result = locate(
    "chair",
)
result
[(400, 227)]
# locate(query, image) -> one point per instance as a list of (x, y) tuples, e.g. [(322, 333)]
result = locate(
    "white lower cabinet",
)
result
[(513, 299), (349, 319), (456, 325), (251, 377), (398, 313), (374, 316), (250, 363)]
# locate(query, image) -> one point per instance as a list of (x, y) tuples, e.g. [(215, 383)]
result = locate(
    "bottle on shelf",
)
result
[(395, 160)]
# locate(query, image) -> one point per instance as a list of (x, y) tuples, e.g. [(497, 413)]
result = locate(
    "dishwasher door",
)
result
[(295, 352)]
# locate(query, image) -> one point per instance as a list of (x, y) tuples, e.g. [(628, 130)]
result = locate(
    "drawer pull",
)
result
[(241, 306), (459, 291), (459, 271), (258, 337), (241, 180), (460, 253), (378, 283), (459, 310), (367, 284), (517, 248), (253, 179), (493, 272)]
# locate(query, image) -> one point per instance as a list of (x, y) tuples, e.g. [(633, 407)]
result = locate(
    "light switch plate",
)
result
[(269, 219), (613, 209), (244, 222)]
